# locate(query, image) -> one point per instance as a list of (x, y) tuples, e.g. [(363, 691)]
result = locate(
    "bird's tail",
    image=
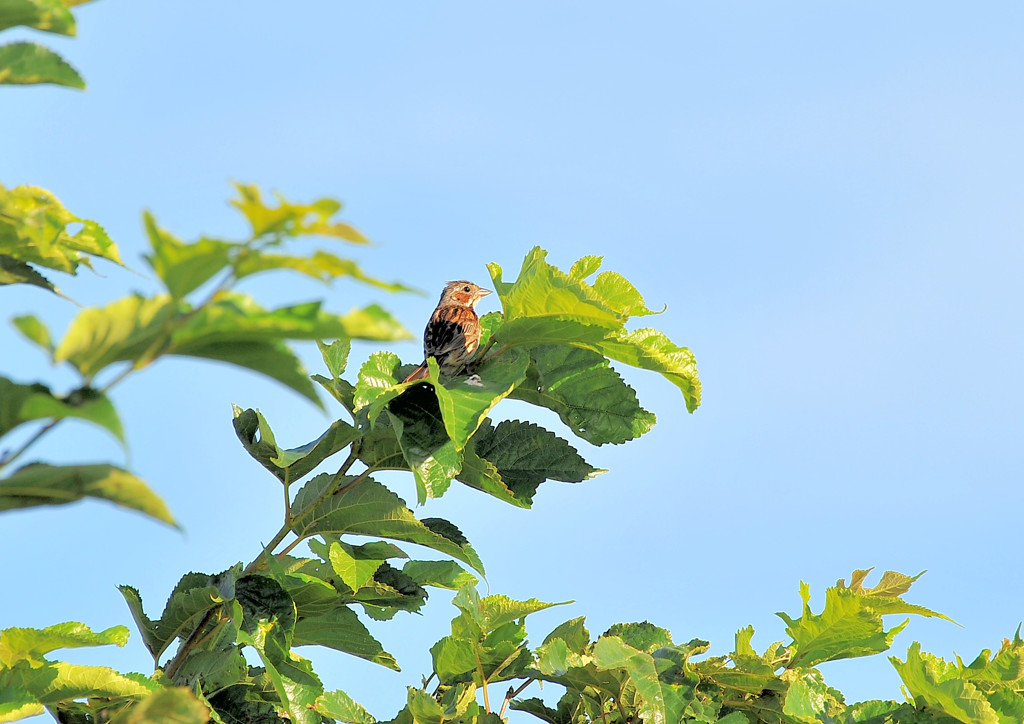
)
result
[(417, 374)]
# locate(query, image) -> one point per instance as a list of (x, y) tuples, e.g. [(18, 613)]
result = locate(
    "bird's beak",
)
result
[(481, 292)]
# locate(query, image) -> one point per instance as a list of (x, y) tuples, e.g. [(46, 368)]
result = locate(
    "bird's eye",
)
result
[(465, 289)]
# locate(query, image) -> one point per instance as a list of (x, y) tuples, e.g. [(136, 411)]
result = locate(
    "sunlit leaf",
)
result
[(170, 706), (340, 706), (341, 629), (83, 404), (184, 267), (26, 63), (34, 330), (52, 16), (32, 644), (368, 508), (936, 684), (41, 484), (289, 465), (588, 395)]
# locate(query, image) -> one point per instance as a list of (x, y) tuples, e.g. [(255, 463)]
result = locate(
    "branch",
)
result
[(512, 694)]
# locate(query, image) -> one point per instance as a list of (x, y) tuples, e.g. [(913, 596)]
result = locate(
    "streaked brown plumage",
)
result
[(453, 332)]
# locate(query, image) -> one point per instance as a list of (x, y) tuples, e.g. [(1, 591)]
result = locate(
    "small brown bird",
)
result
[(453, 332)]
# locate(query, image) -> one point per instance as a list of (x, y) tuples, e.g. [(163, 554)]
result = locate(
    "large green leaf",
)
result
[(341, 629), (586, 393), (321, 265), (288, 465), (433, 457), (340, 706), (850, 624), (26, 63), (56, 682), (517, 457), (34, 229), (664, 700), (367, 508), (41, 484), (272, 358), (289, 219), (51, 16), (171, 706), (132, 328), (13, 271), (546, 306), (937, 685), (83, 404), (13, 396), (32, 644), (184, 267)]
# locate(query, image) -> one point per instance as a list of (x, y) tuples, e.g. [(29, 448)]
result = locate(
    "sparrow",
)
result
[(453, 332)]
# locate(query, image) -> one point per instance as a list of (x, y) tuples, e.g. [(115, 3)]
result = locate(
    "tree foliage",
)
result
[(224, 645)]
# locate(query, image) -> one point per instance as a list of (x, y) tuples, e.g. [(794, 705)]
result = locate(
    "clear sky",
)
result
[(826, 196)]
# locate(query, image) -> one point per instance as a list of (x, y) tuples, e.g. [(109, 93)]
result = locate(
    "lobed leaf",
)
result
[(32, 644), (936, 685)]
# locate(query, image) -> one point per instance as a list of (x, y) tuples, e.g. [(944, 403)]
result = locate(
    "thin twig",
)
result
[(512, 694)]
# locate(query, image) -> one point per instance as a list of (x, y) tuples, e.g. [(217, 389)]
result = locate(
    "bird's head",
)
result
[(462, 293)]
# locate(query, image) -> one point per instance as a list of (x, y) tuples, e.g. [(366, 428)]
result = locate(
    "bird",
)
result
[(453, 332)]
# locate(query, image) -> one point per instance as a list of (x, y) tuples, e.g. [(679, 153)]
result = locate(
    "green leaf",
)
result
[(341, 629), (294, 682), (464, 406), (193, 596), (34, 229), (340, 706), (27, 63), (523, 455), (254, 433), (34, 330), (663, 700), (321, 265), (936, 685), (128, 329), (642, 636), (32, 644), (12, 398), (850, 624), (355, 571), (18, 704), (41, 484), (54, 683), (184, 267), (171, 706), (547, 306), (273, 359), (335, 355), (52, 16), (288, 219), (573, 632), (369, 509), (269, 614), (432, 456), (440, 574), (586, 393), (84, 404), (13, 271), (810, 700), (650, 349)]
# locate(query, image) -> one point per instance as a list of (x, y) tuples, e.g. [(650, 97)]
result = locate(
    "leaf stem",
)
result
[(8, 459), (511, 694), (290, 522)]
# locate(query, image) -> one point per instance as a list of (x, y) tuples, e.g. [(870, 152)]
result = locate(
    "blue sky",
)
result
[(826, 197)]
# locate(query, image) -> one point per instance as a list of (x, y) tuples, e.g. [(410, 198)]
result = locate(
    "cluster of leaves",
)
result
[(106, 344), (635, 672), (24, 63)]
